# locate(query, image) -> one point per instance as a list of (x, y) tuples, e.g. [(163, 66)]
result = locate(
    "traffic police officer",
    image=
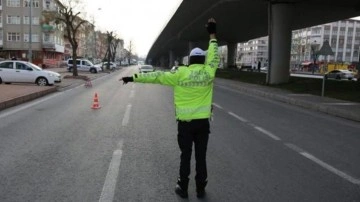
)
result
[(193, 92)]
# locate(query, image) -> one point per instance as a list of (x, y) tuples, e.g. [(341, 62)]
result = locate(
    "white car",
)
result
[(104, 65), (146, 68), (83, 65), (339, 74), (15, 71), (174, 69)]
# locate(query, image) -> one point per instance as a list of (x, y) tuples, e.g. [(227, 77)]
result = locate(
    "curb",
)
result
[(23, 99)]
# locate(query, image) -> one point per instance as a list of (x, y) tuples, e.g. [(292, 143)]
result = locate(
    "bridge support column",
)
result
[(162, 61), (280, 19), (191, 46), (231, 48), (171, 58)]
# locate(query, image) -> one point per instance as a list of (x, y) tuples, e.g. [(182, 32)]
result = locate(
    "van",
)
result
[(83, 65)]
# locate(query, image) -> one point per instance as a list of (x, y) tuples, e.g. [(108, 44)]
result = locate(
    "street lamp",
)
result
[(30, 32), (95, 42)]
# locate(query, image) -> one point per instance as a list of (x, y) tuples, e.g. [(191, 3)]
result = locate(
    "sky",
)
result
[(138, 21)]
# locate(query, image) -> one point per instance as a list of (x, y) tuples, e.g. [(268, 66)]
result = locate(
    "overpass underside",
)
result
[(242, 20)]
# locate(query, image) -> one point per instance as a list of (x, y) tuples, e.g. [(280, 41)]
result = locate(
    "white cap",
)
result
[(197, 52)]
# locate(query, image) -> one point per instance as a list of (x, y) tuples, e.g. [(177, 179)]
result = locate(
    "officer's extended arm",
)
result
[(212, 58)]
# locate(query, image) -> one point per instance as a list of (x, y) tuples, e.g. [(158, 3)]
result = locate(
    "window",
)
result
[(47, 4), (47, 37), (35, 38), (21, 66), (26, 20), (13, 3), (35, 3), (12, 36), (6, 65), (86, 63), (35, 20), (13, 19)]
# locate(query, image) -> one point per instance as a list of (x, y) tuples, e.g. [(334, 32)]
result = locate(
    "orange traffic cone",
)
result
[(96, 102)]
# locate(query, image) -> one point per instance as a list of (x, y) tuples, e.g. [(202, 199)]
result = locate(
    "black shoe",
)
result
[(200, 193), (200, 188), (182, 193)]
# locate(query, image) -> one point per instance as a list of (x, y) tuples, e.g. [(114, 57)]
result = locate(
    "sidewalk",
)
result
[(15, 94)]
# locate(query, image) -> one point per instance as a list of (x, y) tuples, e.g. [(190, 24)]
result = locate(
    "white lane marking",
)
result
[(341, 103), (108, 191), (331, 168), (132, 93), (126, 118), (28, 105), (238, 117), (267, 133), (218, 106), (323, 164), (294, 147)]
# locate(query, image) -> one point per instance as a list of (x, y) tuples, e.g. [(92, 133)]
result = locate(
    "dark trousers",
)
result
[(196, 131)]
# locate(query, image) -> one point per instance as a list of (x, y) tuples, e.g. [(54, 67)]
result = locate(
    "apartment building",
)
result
[(343, 37), (253, 51), (46, 43)]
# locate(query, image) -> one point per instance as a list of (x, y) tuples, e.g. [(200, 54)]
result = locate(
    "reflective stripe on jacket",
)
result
[(193, 85)]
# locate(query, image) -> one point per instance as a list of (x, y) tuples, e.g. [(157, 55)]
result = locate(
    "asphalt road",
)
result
[(59, 149)]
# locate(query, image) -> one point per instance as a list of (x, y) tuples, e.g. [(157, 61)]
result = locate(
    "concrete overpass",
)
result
[(242, 20)]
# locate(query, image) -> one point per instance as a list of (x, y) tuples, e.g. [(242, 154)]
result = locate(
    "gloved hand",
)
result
[(211, 26), (127, 79)]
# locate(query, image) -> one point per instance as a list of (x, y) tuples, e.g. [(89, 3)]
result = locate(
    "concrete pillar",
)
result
[(171, 58), (231, 54), (162, 61), (191, 46), (280, 19)]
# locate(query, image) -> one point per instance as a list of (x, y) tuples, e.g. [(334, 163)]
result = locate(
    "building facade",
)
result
[(46, 44), (252, 52), (343, 37)]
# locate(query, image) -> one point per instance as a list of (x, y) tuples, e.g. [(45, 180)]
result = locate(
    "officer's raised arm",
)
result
[(212, 58)]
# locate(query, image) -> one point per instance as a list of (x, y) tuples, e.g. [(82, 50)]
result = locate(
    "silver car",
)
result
[(146, 68), (339, 74)]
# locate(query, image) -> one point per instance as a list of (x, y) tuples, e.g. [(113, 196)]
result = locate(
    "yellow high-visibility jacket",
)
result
[(193, 85)]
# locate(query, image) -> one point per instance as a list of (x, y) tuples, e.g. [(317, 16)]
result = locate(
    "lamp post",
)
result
[(30, 32), (314, 55), (95, 42)]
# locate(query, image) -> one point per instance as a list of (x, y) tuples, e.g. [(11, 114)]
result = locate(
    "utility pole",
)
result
[(95, 42), (30, 32)]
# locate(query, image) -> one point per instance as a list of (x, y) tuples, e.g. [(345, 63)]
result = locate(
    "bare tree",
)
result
[(114, 46), (110, 38), (130, 52), (72, 23)]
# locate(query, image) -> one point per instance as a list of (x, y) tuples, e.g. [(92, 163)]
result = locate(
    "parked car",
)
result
[(146, 68), (174, 68), (264, 69), (83, 65), (339, 74), (103, 65), (15, 71)]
